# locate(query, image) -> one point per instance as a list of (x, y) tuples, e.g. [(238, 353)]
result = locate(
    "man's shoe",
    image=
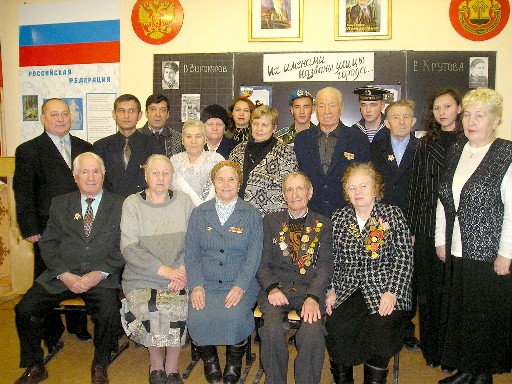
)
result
[(99, 375), (83, 335), (432, 364), (447, 370), (460, 377), (174, 378), (33, 375), (411, 343)]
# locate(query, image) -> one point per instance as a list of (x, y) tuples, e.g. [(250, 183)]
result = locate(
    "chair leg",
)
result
[(250, 358), (194, 352), (396, 367)]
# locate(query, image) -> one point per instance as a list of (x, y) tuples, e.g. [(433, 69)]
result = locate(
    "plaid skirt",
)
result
[(155, 318)]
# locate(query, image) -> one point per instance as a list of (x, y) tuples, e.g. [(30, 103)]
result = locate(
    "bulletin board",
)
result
[(206, 79)]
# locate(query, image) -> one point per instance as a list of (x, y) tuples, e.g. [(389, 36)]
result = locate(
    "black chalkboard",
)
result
[(217, 77)]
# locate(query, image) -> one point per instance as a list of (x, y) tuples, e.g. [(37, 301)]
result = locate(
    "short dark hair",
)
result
[(127, 97), (157, 98)]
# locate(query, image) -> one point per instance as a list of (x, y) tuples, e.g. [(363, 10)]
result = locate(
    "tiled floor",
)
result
[(71, 365)]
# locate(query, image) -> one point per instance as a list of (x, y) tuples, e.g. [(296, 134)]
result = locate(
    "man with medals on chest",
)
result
[(295, 271)]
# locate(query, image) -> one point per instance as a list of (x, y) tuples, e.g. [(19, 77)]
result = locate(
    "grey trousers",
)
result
[(310, 341)]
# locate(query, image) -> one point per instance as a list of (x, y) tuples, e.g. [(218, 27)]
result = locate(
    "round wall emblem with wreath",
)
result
[(157, 21)]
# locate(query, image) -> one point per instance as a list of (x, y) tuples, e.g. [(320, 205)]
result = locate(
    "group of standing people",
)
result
[(211, 225)]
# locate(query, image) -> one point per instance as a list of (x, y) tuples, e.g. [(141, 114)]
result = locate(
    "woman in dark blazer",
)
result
[(371, 285), (222, 254), (442, 125)]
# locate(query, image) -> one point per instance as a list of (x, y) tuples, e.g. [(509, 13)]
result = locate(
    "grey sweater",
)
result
[(152, 235)]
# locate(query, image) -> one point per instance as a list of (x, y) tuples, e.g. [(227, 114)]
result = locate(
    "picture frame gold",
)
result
[(353, 23), (268, 22)]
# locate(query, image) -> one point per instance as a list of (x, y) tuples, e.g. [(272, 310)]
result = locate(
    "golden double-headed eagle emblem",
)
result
[(156, 18)]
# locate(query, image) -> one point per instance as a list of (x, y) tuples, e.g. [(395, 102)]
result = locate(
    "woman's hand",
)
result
[(387, 304), (197, 297), (330, 299), (441, 252), (502, 265), (233, 297)]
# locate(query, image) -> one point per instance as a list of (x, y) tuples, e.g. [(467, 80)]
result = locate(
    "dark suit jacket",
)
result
[(131, 180), (171, 139), (225, 147), (41, 174), (276, 268), (65, 248), (352, 146), (395, 178)]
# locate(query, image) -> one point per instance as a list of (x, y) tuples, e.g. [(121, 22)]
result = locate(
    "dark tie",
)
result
[(88, 217), (157, 135), (127, 152)]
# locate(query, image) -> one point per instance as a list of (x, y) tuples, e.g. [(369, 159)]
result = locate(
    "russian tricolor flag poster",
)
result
[(70, 50)]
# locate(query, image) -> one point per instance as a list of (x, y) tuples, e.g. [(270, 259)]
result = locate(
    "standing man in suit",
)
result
[(157, 113), (125, 152), (324, 152), (371, 104), (295, 270), (80, 247), (43, 171), (392, 157)]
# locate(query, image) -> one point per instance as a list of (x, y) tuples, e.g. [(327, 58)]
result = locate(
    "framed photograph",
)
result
[(275, 20), (363, 19)]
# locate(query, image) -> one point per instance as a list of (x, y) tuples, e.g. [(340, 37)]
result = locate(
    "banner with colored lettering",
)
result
[(70, 50)]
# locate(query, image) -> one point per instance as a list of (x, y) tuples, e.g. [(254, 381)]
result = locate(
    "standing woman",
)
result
[(265, 161), (154, 312), (223, 252), (240, 111), (371, 285), (442, 125), (192, 167), (474, 239), (215, 119)]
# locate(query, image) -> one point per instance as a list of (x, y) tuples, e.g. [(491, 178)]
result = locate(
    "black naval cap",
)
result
[(370, 93)]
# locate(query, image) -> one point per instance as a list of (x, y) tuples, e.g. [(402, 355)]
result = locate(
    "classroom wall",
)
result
[(222, 26)]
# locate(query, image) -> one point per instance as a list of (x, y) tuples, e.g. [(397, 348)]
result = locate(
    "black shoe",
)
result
[(432, 364), (447, 370), (411, 343), (374, 375), (482, 378), (233, 369), (33, 375), (459, 378), (83, 335), (174, 378), (210, 359), (157, 377)]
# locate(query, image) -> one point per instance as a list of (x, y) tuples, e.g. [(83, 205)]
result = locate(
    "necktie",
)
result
[(127, 152), (64, 152), (157, 135), (88, 217)]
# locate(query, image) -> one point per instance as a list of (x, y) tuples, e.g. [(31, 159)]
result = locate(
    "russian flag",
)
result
[(73, 32)]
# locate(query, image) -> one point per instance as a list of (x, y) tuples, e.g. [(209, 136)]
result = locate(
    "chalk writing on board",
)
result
[(340, 66), (436, 66)]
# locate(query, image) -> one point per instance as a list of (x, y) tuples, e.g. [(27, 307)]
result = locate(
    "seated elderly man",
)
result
[(295, 270), (80, 248)]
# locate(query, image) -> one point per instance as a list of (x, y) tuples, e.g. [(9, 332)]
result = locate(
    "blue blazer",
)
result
[(219, 257), (352, 146)]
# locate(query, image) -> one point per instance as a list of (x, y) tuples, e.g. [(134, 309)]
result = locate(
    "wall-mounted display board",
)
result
[(193, 81)]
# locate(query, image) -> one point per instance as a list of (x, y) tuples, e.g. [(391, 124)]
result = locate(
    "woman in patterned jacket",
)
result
[(371, 285), (264, 161)]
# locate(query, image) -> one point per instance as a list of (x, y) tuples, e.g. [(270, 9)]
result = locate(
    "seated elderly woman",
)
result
[(154, 312), (265, 161), (371, 284), (192, 167), (296, 268), (223, 251)]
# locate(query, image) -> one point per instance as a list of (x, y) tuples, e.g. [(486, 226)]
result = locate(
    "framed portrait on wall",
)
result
[(362, 19), (275, 20)]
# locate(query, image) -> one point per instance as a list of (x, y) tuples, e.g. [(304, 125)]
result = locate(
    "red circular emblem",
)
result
[(157, 21), (479, 20)]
